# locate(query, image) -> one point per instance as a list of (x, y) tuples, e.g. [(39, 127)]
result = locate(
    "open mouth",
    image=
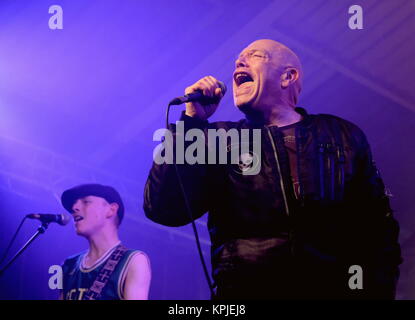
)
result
[(241, 78), (78, 218)]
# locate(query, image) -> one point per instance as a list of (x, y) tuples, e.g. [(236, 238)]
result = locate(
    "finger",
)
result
[(189, 90), (214, 83), (218, 92), (195, 87), (208, 87)]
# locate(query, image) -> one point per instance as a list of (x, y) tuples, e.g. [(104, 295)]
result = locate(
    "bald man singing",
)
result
[(306, 217)]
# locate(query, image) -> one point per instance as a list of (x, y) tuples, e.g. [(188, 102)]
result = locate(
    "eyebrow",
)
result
[(251, 51)]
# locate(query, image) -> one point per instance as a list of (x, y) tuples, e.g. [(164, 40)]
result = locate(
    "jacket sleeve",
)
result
[(164, 202), (380, 228)]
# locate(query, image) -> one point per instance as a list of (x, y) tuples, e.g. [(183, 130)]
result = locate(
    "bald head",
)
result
[(276, 74), (281, 56)]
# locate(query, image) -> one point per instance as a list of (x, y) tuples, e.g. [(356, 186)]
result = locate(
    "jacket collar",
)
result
[(256, 123)]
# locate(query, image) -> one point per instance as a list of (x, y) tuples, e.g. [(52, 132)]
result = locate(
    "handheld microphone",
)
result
[(198, 96), (61, 219)]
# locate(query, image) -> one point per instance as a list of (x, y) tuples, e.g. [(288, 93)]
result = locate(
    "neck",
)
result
[(282, 116), (279, 115), (101, 243)]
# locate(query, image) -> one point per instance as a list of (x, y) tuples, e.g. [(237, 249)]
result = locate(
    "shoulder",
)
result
[(137, 279), (72, 261), (133, 257), (137, 267), (137, 257), (137, 263), (349, 130), (73, 258), (329, 118)]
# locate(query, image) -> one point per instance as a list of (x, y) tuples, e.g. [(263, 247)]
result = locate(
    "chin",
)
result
[(251, 112), (245, 107), (80, 232), (243, 103), (247, 100)]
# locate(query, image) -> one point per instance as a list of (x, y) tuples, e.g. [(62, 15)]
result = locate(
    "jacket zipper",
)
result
[(298, 136), (330, 152), (341, 160), (279, 172), (322, 184)]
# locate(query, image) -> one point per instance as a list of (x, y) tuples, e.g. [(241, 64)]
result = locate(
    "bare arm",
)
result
[(137, 282)]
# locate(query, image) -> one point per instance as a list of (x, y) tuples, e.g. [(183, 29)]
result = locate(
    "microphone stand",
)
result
[(42, 228)]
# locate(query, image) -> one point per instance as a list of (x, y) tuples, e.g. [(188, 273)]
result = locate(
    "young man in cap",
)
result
[(107, 271)]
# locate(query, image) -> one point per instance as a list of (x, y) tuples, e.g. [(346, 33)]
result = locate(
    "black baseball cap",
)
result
[(70, 196)]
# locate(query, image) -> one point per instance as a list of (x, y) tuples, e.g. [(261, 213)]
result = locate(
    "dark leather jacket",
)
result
[(341, 218)]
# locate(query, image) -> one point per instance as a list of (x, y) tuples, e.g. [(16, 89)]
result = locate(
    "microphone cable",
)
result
[(190, 213)]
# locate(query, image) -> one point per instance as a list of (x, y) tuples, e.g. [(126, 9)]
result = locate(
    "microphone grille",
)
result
[(65, 218), (222, 87)]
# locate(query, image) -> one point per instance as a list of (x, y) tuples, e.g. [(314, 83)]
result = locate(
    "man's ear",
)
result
[(114, 209), (290, 76)]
